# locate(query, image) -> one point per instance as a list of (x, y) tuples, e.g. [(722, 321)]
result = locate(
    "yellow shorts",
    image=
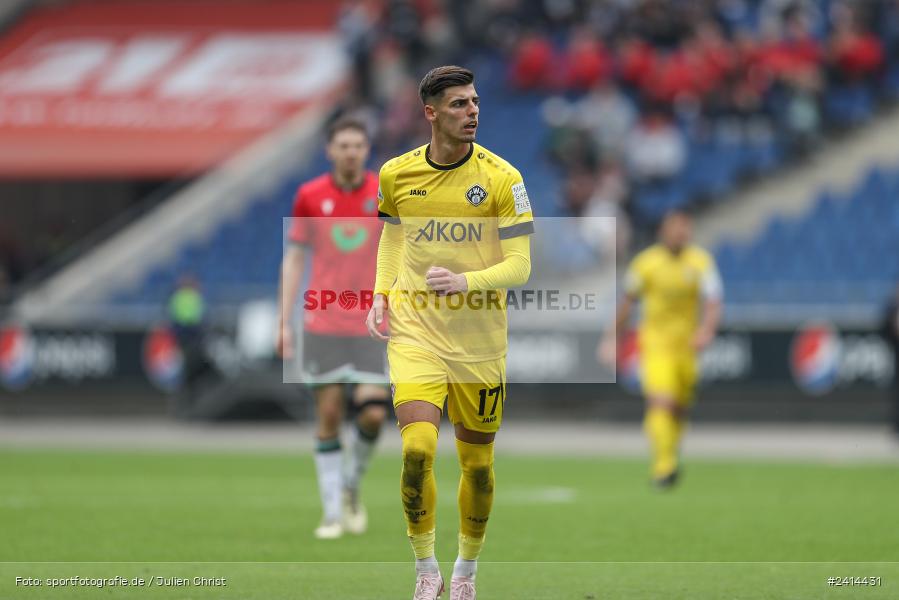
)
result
[(473, 392), (670, 374)]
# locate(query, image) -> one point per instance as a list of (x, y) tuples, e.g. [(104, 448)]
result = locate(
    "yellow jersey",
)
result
[(672, 288), (453, 216)]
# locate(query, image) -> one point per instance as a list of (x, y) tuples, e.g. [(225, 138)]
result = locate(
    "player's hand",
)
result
[(702, 339), (284, 343), (375, 317), (443, 281), (607, 351)]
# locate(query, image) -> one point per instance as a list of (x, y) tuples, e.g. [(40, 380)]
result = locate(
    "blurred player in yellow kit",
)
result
[(680, 289), (456, 237)]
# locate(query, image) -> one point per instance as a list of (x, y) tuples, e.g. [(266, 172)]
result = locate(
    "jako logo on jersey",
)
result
[(327, 206), (421, 193), (814, 358), (629, 375), (16, 357), (476, 195), (437, 231), (163, 360)]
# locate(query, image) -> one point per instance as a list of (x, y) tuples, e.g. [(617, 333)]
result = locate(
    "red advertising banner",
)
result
[(157, 88)]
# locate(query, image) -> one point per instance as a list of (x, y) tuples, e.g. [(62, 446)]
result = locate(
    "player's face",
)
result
[(455, 115), (348, 151), (677, 230)]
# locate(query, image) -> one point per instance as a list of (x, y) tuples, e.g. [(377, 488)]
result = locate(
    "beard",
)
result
[(458, 135)]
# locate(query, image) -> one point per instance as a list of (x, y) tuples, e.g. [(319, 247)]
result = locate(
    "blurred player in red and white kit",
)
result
[(335, 218)]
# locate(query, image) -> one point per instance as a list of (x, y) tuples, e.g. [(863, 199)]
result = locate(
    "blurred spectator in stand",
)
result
[(605, 226), (357, 25), (577, 191), (492, 23), (608, 115), (717, 55), (636, 62), (890, 331), (401, 124), (606, 17), (569, 251), (660, 22), (678, 80), (531, 65), (403, 24), (656, 150), (586, 62), (887, 19), (801, 122), (568, 146), (556, 14), (857, 54)]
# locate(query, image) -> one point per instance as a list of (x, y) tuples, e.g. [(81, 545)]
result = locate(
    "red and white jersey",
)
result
[(342, 230)]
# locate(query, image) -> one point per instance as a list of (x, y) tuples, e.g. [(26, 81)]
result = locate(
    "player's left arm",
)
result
[(712, 292)]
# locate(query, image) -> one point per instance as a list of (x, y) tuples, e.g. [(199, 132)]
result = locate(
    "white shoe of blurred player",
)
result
[(428, 586), (329, 530), (355, 518), (462, 588)]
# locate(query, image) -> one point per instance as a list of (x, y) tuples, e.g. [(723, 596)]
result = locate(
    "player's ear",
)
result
[(430, 112)]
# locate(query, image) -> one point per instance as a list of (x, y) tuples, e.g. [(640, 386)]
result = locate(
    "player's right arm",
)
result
[(390, 255), (607, 349), (291, 275)]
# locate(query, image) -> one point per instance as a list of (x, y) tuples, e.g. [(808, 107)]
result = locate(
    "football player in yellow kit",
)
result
[(680, 289), (456, 237)]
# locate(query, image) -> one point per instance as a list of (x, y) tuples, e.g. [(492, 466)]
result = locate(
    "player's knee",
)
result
[(372, 417), (419, 450), (476, 461), (419, 445)]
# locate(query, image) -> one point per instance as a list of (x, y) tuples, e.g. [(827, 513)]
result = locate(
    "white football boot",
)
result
[(428, 586), (355, 517)]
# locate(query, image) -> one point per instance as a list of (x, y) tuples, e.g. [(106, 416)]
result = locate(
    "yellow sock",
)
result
[(475, 496), (418, 486), (663, 430)]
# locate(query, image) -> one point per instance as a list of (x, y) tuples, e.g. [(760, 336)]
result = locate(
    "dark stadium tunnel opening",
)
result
[(48, 223)]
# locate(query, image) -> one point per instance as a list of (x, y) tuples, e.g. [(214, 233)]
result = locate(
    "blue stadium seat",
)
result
[(842, 251)]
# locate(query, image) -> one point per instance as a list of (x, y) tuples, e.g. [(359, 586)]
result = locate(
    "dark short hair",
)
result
[(440, 78), (338, 125)]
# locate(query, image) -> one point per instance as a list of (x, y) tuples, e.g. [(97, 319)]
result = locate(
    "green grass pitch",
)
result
[(562, 528)]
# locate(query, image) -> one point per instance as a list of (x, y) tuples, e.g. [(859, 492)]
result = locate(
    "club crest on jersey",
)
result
[(476, 195)]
